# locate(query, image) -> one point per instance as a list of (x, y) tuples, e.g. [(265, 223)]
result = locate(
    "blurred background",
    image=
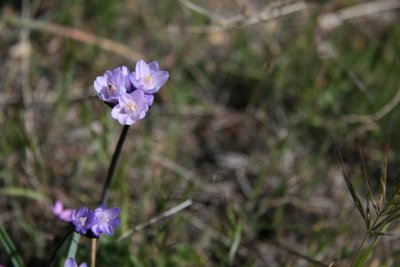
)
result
[(262, 98)]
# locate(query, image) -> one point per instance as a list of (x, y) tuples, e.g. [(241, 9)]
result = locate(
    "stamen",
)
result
[(82, 220), (131, 106)]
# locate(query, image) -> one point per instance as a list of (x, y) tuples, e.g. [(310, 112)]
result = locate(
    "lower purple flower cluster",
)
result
[(130, 94), (93, 223), (90, 223)]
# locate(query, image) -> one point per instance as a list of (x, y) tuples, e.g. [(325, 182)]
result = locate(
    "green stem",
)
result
[(359, 249), (54, 256)]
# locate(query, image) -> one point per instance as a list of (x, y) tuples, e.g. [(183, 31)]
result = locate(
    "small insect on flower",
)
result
[(70, 262), (113, 84), (130, 94)]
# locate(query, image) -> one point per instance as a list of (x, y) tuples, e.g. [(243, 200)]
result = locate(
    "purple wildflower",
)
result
[(131, 108), (61, 213), (105, 220), (70, 262), (148, 77), (113, 84), (82, 220)]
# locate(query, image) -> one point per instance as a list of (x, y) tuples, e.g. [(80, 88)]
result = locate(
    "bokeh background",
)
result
[(262, 98)]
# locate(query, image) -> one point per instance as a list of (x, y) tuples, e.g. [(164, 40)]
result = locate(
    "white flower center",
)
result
[(82, 220), (103, 218), (147, 80), (131, 106)]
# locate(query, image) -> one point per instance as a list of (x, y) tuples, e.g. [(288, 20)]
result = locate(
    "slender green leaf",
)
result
[(367, 215), (73, 246), (23, 192), (235, 243), (368, 182), (351, 188), (10, 249), (355, 197)]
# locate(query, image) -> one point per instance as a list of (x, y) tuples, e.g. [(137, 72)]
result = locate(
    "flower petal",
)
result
[(160, 78), (142, 68), (70, 262), (153, 66)]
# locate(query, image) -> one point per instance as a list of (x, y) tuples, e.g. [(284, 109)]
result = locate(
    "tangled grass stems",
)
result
[(385, 209)]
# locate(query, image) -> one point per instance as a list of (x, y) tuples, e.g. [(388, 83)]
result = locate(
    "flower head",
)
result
[(60, 212), (83, 220), (113, 84), (148, 77), (131, 107), (70, 262), (105, 220)]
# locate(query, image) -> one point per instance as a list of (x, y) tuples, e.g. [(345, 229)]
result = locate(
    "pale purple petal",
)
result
[(105, 220), (83, 220), (58, 207), (60, 212), (160, 78), (148, 77), (112, 213), (70, 262), (153, 66), (131, 108), (99, 83), (142, 68), (113, 84), (149, 99), (66, 215)]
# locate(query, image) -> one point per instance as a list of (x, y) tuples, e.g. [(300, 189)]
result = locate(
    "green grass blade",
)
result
[(23, 192), (235, 243), (73, 246), (368, 182), (10, 249), (351, 188)]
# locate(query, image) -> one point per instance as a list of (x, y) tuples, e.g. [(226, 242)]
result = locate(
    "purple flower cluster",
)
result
[(93, 223), (88, 222), (130, 94)]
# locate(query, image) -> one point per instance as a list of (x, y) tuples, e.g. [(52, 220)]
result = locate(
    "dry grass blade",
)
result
[(158, 218), (75, 34), (333, 20), (241, 21), (394, 101), (382, 182)]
